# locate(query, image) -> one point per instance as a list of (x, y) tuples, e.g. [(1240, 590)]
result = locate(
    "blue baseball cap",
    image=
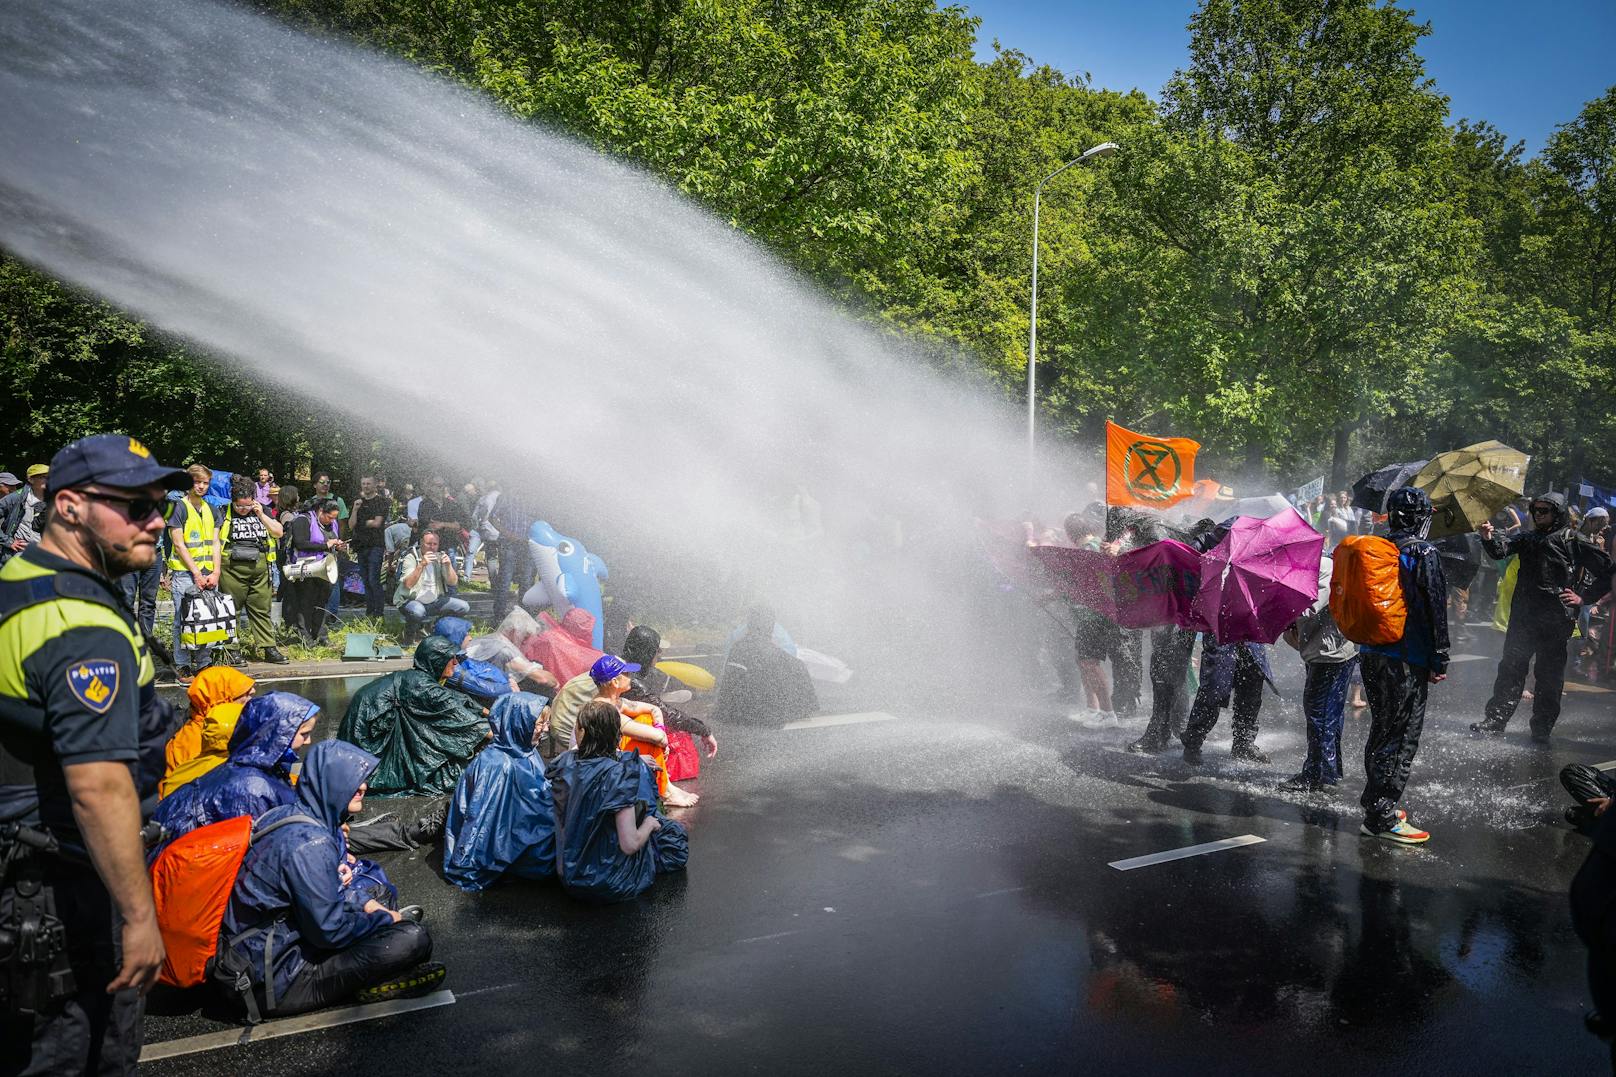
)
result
[(112, 460), (609, 666)]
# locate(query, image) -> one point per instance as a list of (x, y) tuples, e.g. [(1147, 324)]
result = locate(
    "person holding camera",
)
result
[(250, 536), (424, 581), (303, 598), (82, 731)]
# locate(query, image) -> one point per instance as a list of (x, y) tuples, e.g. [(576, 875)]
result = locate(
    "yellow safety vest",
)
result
[(270, 541), (200, 533)]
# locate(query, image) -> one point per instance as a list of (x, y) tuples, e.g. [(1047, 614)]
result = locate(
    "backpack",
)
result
[(1366, 590)]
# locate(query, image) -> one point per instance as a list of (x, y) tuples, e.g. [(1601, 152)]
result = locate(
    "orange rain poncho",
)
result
[(202, 743)]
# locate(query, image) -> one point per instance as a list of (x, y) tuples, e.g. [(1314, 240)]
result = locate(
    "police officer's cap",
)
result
[(111, 460)]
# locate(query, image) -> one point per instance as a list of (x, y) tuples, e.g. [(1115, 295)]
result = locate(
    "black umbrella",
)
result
[(1370, 491)]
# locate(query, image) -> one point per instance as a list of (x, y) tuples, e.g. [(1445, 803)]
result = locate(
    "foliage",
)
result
[(1296, 257)]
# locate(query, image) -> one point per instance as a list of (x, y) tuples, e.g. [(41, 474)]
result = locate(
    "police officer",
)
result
[(81, 738)]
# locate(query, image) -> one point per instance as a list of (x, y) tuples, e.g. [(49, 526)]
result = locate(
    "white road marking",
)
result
[(776, 935), (292, 1026), (825, 720), (1452, 658), (1609, 764), (1188, 850), (1006, 890)]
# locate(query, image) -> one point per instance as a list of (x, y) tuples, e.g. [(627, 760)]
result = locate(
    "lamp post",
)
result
[(1104, 149)]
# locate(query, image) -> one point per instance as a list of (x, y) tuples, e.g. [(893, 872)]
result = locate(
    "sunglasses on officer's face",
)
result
[(138, 509)]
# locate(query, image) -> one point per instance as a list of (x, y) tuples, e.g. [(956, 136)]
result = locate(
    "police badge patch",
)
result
[(94, 683)]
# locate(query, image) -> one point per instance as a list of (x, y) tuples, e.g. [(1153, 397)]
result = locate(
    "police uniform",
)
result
[(77, 686)]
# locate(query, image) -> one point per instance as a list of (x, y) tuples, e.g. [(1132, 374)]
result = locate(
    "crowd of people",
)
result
[(544, 758)]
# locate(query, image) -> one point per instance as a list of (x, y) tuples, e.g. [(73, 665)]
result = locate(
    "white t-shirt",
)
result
[(427, 588)]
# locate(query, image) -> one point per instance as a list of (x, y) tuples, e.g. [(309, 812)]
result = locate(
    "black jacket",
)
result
[(1548, 562)]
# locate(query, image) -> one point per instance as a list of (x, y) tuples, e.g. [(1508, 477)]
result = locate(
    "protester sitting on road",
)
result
[(643, 729), (1593, 917), (1329, 656), (425, 587), (607, 678), (565, 647), (255, 777), (217, 695), (1591, 789), (194, 567), (251, 537), (502, 818), (614, 841), (312, 536), (423, 731), (641, 648), (291, 925), (761, 682)]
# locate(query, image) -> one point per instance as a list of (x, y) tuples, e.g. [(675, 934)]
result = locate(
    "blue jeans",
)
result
[(370, 570), (181, 584), (1323, 700), (333, 603), (416, 613), (140, 591)]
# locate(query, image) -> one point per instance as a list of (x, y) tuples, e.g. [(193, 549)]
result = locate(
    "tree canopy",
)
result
[(1298, 257)]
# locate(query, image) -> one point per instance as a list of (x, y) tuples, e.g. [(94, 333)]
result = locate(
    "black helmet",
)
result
[(1408, 511)]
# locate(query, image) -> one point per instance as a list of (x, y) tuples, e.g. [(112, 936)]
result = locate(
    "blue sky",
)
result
[(1522, 66)]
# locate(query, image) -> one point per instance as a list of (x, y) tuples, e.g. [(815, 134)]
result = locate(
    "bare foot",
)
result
[(678, 798)]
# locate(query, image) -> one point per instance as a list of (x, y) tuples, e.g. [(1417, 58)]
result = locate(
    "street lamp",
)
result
[(1093, 153)]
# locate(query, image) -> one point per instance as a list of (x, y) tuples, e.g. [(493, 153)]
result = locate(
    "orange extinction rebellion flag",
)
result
[(1147, 471)]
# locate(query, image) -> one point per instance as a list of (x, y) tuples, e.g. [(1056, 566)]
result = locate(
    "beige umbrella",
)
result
[(1468, 485)]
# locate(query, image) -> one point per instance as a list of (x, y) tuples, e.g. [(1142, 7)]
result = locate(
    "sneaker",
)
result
[(1192, 756), (275, 658), (1251, 754), (1488, 727), (1300, 783), (421, 980), (413, 913), (1146, 747), (1402, 832), (429, 826), (1106, 720)]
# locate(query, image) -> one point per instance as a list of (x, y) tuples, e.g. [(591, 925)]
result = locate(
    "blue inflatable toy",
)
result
[(568, 576)]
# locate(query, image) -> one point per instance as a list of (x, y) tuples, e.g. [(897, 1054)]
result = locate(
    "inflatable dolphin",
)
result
[(568, 576)]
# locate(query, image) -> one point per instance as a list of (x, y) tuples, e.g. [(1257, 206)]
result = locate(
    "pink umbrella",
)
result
[(1258, 579)]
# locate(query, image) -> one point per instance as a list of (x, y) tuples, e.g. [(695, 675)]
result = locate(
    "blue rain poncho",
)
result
[(255, 778), (502, 819), (482, 680), (588, 795), (288, 883)]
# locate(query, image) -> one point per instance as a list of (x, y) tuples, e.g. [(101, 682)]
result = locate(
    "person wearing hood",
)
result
[(423, 731), (502, 818), (1397, 676), (293, 930), (566, 647), (217, 695), (481, 680), (1329, 657), (257, 774), (1543, 613), (614, 842)]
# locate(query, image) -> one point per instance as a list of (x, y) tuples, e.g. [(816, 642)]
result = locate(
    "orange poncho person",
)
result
[(202, 743)]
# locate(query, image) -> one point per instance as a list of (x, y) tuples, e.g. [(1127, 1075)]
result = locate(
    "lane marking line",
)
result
[(1452, 658), (826, 720), (1609, 764), (996, 893), (292, 1026), (1188, 851), (776, 935)]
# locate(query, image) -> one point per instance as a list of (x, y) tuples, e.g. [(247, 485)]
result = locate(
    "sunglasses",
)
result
[(138, 509)]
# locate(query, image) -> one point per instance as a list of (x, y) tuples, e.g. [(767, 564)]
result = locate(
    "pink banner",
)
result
[(1144, 588)]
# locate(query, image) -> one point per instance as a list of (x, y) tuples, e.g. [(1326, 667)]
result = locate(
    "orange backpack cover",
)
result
[(191, 881), (1366, 591)]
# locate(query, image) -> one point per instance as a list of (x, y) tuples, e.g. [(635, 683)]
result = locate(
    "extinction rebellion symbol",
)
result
[(1152, 470)]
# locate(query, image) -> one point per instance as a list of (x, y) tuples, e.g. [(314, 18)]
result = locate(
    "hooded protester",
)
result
[(1330, 658), (1397, 676), (296, 932), (502, 819), (423, 731), (761, 682), (257, 775), (217, 695), (481, 680), (1543, 612), (614, 842)]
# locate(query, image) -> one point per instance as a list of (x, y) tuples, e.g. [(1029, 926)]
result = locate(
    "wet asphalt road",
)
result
[(931, 894)]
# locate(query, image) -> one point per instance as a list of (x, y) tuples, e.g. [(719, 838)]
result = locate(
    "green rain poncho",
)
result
[(423, 732)]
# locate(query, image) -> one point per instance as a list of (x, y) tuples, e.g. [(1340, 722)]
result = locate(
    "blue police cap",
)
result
[(111, 460)]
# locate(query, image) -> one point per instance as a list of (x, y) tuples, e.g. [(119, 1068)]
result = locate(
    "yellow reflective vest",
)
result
[(200, 532)]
